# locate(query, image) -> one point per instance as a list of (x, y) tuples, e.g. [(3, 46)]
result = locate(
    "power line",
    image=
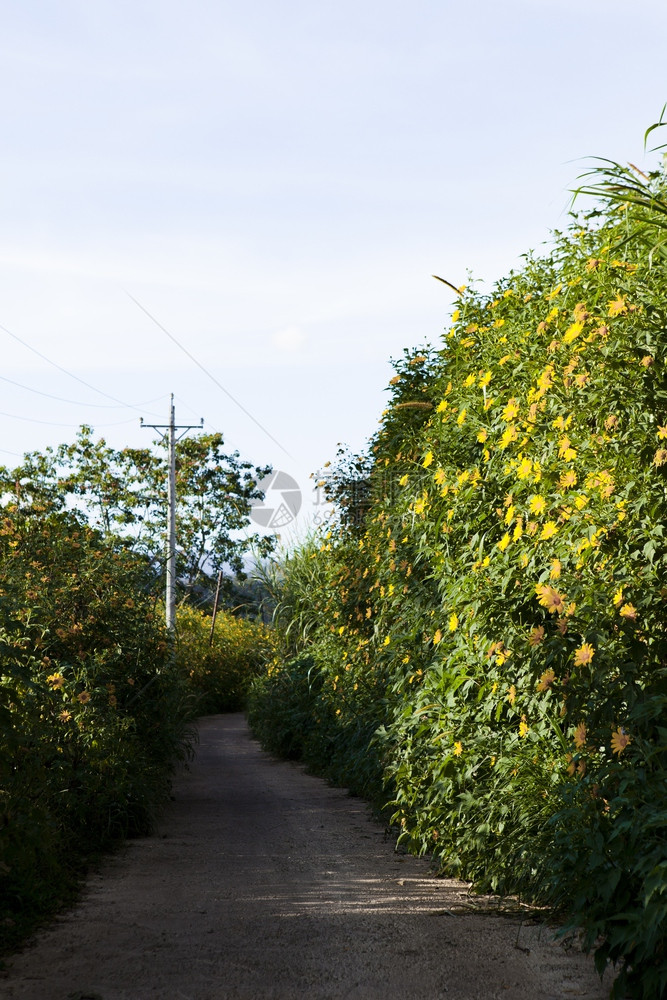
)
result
[(207, 373), (77, 402), (60, 368), (55, 423)]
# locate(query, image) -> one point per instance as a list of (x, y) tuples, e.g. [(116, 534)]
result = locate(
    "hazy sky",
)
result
[(275, 183)]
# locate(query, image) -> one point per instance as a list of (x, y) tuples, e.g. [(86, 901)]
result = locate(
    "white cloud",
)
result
[(290, 338)]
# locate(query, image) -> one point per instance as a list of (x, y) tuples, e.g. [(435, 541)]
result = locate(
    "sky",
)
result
[(242, 204)]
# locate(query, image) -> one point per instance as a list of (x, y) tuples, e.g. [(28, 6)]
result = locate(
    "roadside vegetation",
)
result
[(97, 700), (478, 643)]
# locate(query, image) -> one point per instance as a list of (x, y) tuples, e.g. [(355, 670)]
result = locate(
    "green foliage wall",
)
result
[(499, 614), (220, 663), (92, 716)]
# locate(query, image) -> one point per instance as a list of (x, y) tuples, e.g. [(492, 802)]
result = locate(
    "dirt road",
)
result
[(263, 883)]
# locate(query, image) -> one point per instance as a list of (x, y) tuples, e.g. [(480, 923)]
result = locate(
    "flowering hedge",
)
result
[(220, 663), (498, 610), (92, 716)]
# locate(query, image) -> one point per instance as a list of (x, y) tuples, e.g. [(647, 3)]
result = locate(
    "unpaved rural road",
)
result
[(264, 882)]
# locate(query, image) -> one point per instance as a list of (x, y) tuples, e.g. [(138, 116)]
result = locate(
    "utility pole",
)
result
[(169, 431)]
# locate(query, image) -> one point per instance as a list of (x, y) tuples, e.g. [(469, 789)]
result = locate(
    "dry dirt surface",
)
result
[(264, 883)]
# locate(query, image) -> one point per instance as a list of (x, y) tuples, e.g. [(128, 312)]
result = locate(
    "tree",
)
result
[(123, 493)]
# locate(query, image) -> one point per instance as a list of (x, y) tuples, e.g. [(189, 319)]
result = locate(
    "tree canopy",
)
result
[(123, 493)]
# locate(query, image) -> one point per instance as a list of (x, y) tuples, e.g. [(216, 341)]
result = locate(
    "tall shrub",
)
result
[(502, 603)]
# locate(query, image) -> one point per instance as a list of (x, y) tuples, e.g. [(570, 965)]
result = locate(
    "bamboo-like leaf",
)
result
[(656, 125)]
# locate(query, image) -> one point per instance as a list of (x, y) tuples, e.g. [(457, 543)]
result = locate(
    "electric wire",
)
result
[(57, 423), (229, 443), (208, 374), (77, 402), (60, 368)]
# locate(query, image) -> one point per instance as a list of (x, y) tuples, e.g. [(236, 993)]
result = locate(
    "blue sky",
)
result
[(275, 184)]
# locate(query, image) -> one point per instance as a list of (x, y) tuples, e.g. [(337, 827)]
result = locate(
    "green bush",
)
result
[(494, 617), (220, 666), (92, 716)]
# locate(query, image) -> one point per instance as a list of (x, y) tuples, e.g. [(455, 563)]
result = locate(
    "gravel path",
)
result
[(264, 883)]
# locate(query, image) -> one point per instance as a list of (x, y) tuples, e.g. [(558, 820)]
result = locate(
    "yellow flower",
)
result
[(453, 623), (65, 716), (603, 480), (660, 457), (662, 433), (437, 637), (442, 406), (573, 332), (523, 728), (387, 640), (628, 611), (403, 481), (421, 504), (550, 598), (545, 380), (511, 410), (458, 748), (525, 468), (618, 597), (536, 504), (511, 695), (484, 379), (509, 434), (580, 736), (546, 680), (428, 458), (440, 476), (469, 381), (536, 636), (482, 435), (504, 542), (618, 307), (568, 479), (461, 417), (556, 567), (548, 531), (584, 654), (84, 697), (518, 530), (56, 681), (565, 450), (619, 740)]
